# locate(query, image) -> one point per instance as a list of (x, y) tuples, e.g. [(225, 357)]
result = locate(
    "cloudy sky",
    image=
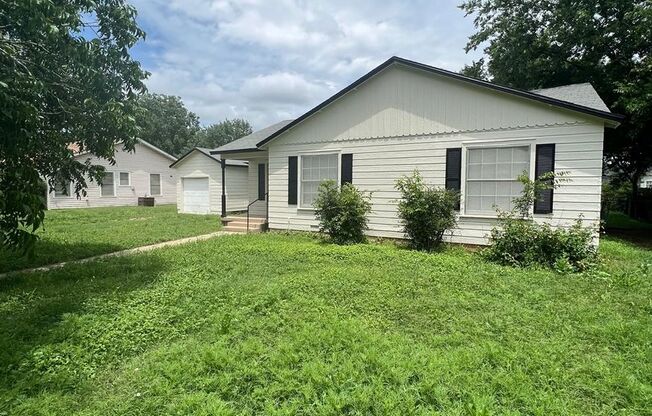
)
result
[(267, 60)]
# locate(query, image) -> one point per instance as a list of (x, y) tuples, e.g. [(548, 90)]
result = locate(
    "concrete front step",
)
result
[(239, 224), (252, 220), (242, 228)]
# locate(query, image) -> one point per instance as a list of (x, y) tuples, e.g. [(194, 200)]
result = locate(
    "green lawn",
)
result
[(618, 220), (71, 234), (275, 324)]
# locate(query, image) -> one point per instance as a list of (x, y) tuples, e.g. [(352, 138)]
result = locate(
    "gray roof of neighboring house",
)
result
[(248, 143), (75, 148), (581, 94), (207, 152)]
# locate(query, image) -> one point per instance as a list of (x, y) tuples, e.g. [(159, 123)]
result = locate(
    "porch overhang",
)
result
[(241, 154)]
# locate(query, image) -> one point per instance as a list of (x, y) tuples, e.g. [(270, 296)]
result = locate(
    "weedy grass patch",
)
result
[(284, 325), (71, 234)]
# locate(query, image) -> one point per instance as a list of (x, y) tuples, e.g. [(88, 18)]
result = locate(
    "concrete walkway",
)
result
[(126, 252)]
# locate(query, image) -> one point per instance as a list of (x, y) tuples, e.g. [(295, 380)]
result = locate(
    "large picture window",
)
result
[(107, 187), (314, 170), (491, 178)]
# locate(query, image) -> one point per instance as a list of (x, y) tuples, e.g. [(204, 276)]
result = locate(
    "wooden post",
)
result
[(223, 164)]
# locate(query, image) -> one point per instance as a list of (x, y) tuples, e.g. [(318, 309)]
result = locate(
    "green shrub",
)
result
[(425, 212), (519, 241), (522, 242), (342, 212)]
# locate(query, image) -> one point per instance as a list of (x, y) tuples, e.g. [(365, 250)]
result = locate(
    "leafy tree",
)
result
[(532, 44), (477, 69), (66, 77), (222, 133), (167, 124)]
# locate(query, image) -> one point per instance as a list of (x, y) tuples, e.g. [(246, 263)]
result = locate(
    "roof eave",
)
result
[(219, 152)]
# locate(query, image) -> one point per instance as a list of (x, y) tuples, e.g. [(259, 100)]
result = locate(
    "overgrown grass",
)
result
[(274, 324), (621, 221), (78, 233)]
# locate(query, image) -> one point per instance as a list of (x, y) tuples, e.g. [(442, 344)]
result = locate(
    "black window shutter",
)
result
[(347, 168), (454, 171), (544, 163), (292, 180), (261, 181)]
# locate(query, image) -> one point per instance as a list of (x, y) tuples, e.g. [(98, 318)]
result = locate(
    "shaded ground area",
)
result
[(79, 233), (276, 324), (627, 229)]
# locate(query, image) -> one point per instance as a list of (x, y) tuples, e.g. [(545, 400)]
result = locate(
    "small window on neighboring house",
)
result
[(107, 186), (62, 189), (491, 178), (648, 184), (155, 184), (125, 179), (314, 170)]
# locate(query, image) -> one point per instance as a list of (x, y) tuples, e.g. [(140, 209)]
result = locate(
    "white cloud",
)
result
[(266, 60), (282, 87)]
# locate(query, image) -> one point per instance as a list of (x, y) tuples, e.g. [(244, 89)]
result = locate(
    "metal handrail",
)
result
[(253, 202)]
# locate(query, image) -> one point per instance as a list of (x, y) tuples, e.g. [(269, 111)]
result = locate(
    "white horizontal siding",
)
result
[(378, 163), (198, 165), (139, 164)]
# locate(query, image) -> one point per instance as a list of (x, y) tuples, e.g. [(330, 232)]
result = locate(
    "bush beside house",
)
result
[(519, 241), (342, 212), (425, 212)]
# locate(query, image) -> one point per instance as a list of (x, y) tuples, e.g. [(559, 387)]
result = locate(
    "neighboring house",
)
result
[(646, 180), (465, 134), (199, 183), (144, 172)]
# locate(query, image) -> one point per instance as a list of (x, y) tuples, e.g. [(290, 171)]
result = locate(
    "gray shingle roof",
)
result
[(249, 142), (580, 94)]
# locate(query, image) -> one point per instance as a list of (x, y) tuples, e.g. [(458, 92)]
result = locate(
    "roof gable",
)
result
[(207, 152), (531, 97)]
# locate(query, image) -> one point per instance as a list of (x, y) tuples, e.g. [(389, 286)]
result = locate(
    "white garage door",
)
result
[(195, 196)]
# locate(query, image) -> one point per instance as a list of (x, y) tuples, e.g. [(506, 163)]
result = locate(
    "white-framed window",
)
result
[(648, 184), (155, 184), (62, 189), (314, 169), (125, 179), (107, 187), (491, 174)]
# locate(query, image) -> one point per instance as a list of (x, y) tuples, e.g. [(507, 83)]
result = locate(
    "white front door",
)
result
[(195, 196)]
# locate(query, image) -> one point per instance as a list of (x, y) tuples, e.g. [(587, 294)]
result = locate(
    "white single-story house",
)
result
[(201, 178), (461, 133), (646, 180), (144, 172)]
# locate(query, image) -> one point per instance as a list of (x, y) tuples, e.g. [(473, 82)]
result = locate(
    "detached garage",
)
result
[(199, 183)]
